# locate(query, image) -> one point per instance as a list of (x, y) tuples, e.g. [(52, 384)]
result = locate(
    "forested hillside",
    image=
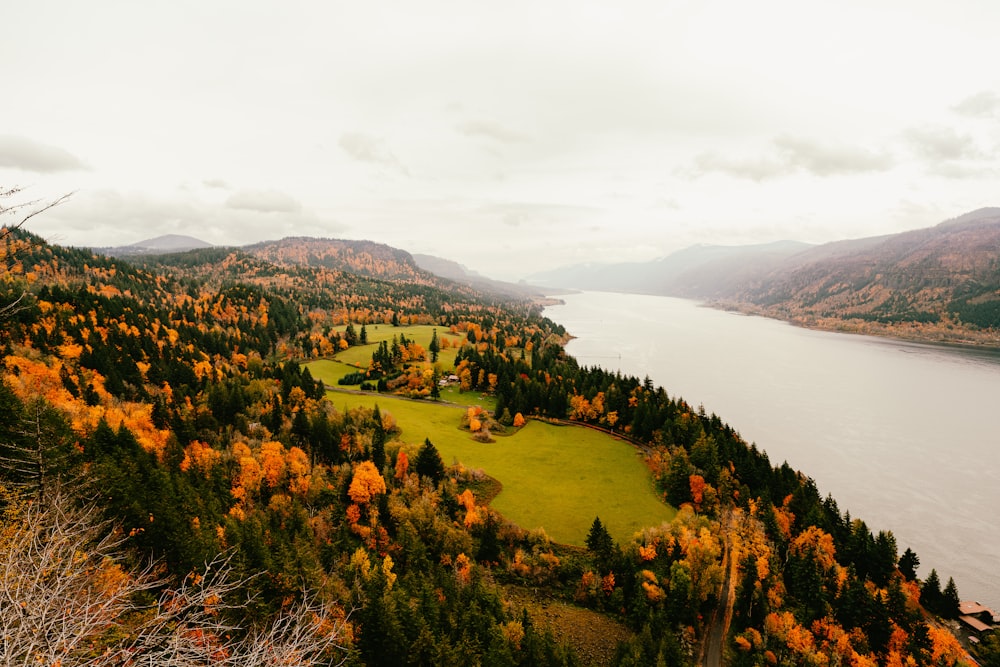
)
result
[(163, 409), (942, 282)]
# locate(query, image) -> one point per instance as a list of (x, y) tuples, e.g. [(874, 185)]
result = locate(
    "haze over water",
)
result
[(905, 436)]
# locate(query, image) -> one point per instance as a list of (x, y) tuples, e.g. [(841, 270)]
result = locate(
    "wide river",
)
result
[(905, 436)]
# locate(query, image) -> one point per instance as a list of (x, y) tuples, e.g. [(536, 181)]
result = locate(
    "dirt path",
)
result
[(712, 650)]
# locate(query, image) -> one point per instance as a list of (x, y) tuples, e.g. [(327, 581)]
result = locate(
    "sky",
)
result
[(511, 137)]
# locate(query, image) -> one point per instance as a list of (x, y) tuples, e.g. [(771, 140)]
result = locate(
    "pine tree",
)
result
[(930, 593), (908, 564), (378, 439), (950, 600), (435, 346), (429, 463), (599, 541)]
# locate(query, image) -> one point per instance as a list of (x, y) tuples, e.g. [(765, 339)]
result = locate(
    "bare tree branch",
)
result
[(65, 599), (36, 207)]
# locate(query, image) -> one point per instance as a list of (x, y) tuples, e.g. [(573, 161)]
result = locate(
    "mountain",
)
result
[(452, 270), (366, 258), (702, 271), (943, 276), (940, 283), (167, 243)]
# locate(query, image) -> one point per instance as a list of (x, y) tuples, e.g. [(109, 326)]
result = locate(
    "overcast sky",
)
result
[(508, 136)]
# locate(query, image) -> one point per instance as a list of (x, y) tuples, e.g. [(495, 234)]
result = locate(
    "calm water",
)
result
[(905, 436)]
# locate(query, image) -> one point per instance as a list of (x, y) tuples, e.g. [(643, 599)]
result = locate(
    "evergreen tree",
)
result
[(364, 335), (950, 600), (378, 439), (908, 564), (930, 593), (678, 482), (429, 463), (435, 346), (489, 542), (599, 541)]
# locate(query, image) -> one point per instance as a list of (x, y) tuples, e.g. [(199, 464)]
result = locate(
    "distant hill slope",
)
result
[(702, 271), (167, 243), (452, 270), (365, 258), (941, 283), (950, 272)]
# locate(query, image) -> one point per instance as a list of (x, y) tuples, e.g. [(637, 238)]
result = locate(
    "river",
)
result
[(905, 436)]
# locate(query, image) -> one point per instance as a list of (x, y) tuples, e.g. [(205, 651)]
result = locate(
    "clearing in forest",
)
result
[(554, 477)]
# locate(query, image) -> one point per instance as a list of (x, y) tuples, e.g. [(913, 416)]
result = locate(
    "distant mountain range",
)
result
[(366, 258), (156, 246), (938, 283), (701, 271)]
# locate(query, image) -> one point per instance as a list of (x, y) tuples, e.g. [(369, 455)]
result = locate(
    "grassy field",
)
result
[(356, 358), (554, 477), (360, 355)]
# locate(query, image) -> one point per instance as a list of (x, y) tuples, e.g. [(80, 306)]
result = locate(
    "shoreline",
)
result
[(911, 332)]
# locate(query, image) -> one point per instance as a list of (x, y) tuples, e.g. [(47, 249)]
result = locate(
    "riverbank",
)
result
[(946, 333), (863, 416)]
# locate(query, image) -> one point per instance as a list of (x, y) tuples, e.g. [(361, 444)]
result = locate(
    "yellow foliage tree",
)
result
[(366, 483)]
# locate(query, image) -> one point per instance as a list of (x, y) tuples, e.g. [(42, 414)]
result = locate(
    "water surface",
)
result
[(905, 436)]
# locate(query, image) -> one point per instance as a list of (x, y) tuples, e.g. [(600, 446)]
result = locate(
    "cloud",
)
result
[(824, 160), (490, 130), (100, 218), (216, 183), (985, 104), (792, 155), (29, 155), (517, 214), (761, 169), (366, 148), (263, 201), (935, 142)]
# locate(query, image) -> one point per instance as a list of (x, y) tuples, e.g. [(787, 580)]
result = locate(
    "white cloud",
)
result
[(790, 155), (29, 155), (263, 201), (830, 160), (936, 142), (367, 148), (108, 217), (984, 104), (755, 169), (490, 130)]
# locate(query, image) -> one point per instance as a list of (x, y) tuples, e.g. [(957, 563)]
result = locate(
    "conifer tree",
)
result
[(429, 463), (950, 600)]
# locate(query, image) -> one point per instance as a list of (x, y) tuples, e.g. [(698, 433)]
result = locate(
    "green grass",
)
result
[(554, 477), (360, 355), (329, 371)]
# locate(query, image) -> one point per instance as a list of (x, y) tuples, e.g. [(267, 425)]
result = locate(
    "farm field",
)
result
[(554, 477)]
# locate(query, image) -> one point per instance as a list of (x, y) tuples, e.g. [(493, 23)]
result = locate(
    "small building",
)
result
[(977, 618)]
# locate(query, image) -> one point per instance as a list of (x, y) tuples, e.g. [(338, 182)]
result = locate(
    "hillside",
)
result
[(171, 393), (366, 258), (944, 280), (161, 244), (702, 271), (941, 283), (454, 271)]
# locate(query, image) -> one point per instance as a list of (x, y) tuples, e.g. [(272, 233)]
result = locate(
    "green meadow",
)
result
[(360, 355), (554, 477)]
